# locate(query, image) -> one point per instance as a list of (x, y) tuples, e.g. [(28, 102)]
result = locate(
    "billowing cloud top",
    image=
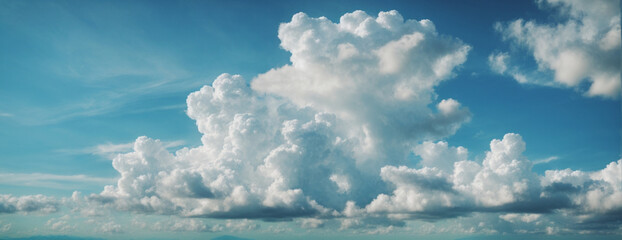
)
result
[(375, 74)]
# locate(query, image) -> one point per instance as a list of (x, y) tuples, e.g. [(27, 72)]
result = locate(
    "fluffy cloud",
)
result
[(110, 227), (60, 224), (311, 223), (498, 62), (504, 178), (584, 48), (596, 194), (307, 137), (376, 74), (179, 225), (502, 183), (28, 203)]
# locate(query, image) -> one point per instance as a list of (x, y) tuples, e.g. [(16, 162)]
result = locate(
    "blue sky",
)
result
[(317, 103)]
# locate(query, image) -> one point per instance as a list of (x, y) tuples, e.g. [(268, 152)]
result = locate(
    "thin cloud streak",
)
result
[(111, 149), (545, 160), (52, 180)]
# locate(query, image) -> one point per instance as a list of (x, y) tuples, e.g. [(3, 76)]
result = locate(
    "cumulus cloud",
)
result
[(439, 155), (377, 74), (28, 203), (503, 182), (498, 62), (180, 225), (61, 224), (595, 194), (583, 49), (311, 223), (503, 178), (357, 96), (110, 227)]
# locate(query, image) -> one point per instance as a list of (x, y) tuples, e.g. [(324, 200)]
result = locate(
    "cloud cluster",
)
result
[(330, 138), (28, 203), (584, 49), (503, 182), (307, 137)]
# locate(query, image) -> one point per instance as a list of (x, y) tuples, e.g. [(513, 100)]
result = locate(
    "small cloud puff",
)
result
[(583, 49)]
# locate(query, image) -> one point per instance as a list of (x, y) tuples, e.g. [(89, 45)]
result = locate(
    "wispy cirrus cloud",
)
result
[(110, 150), (103, 74), (53, 181), (546, 160)]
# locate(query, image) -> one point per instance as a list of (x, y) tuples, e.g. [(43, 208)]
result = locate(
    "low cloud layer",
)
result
[(29, 203), (583, 48)]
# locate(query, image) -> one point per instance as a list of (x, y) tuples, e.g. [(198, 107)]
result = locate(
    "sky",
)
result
[(310, 119)]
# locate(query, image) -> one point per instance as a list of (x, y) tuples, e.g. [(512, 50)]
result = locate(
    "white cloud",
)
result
[(498, 62), (584, 48), (343, 183), (311, 223), (52, 180), (181, 225), (440, 155), (241, 225), (416, 190), (594, 194), (505, 175), (380, 230), (545, 160), (110, 150), (607, 194), (513, 217), (284, 154), (110, 227), (5, 227), (504, 178), (382, 89), (28, 203), (277, 229), (61, 224)]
